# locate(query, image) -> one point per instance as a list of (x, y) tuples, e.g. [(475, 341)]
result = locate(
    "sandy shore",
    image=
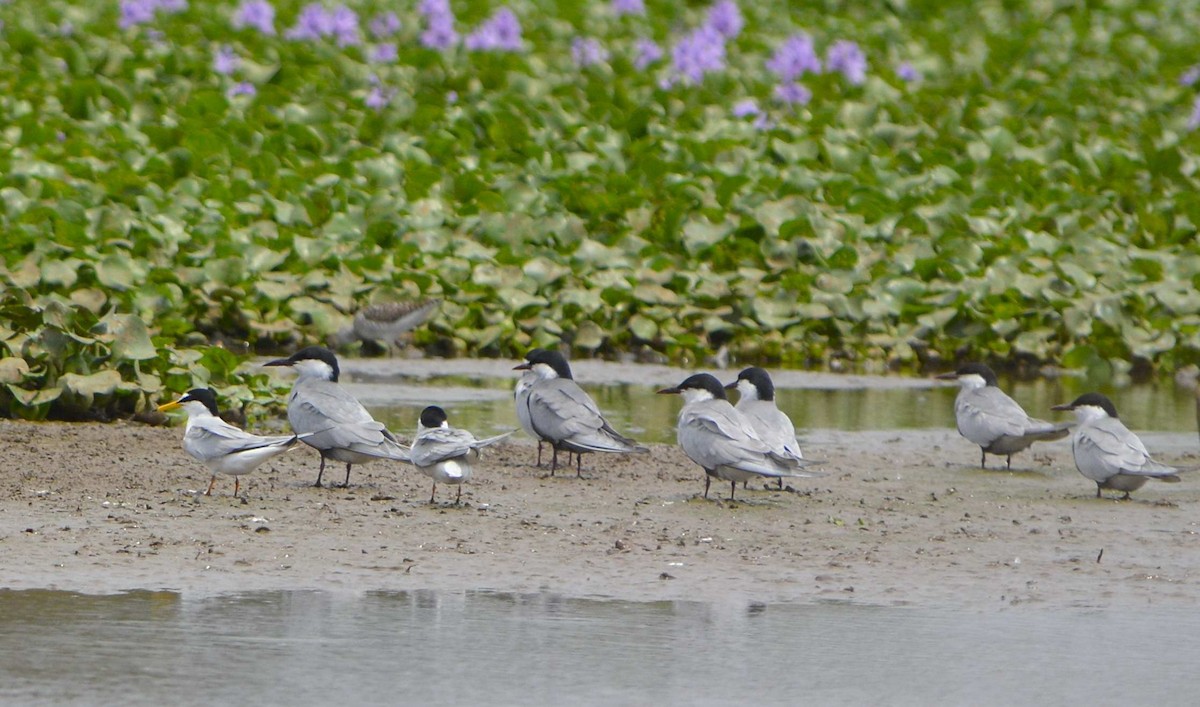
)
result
[(903, 518)]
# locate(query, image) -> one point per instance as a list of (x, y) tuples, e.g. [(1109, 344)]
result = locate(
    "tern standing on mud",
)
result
[(563, 414), (994, 421), (331, 420), (220, 446), (1107, 452), (445, 453), (756, 400), (722, 440)]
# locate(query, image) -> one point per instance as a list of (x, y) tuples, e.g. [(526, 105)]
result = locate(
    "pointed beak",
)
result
[(669, 391), (279, 362), (168, 406), (1064, 406), (952, 376), (731, 386), (523, 367)]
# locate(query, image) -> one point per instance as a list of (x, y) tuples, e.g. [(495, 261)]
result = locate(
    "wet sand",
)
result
[(904, 518)]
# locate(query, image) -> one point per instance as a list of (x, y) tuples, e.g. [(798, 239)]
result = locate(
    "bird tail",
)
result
[(489, 441), (1046, 431)]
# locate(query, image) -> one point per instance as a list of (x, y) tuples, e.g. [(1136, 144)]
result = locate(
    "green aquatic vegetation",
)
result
[(886, 183)]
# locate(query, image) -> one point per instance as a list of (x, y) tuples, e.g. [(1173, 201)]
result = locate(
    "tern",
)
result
[(521, 398), (722, 440), (444, 453), (563, 414), (1107, 452), (331, 420), (220, 446), (386, 322), (756, 400), (994, 421)]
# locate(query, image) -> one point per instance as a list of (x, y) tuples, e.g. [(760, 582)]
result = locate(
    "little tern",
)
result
[(756, 400), (1107, 452), (336, 424), (445, 453), (563, 414), (722, 440), (994, 421), (220, 446)]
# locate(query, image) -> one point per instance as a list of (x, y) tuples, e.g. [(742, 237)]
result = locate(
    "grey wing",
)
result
[(559, 410), (440, 444), (773, 426), (986, 414), (1122, 450), (713, 438), (338, 421), (213, 438)]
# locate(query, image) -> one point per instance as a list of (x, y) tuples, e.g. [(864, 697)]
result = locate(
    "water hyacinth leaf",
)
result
[(13, 370), (88, 386), (130, 337), (115, 271), (644, 328)]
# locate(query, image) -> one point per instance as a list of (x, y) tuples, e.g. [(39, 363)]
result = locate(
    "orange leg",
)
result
[(211, 483)]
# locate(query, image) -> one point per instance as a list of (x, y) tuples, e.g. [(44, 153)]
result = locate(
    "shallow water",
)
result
[(309, 648), (485, 405)]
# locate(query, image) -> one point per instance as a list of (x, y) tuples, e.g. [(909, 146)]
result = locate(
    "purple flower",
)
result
[(257, 14), (136, 12), (698, 53), (139, 12), (500, 32), (628, 7), (648, 52), (795, 56), (846, 57), (907, 72), (745, 108), (344, 22), (225, 60), (378, 97), (452, 97), (242, 88), (725, 17), (793, 94), (587, 51), (385, 53), (1194, 119), (439, 24), (313, 22), (384, 25), (1191, 76)]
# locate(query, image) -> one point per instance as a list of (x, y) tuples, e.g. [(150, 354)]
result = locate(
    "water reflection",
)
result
[(485, 405), (425, 647)]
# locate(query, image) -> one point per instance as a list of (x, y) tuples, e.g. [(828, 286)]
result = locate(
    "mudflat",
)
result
[(902, 518)]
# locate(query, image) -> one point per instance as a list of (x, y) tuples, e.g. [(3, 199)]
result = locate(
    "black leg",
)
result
[(553, 459), (539, 464), (433, 493), (458, 498), (579, 466), (1098, 491), (320, 473), (781, 483), (707, 481), (732, 488), (1008, 462), (346, 483), (982, 459)]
